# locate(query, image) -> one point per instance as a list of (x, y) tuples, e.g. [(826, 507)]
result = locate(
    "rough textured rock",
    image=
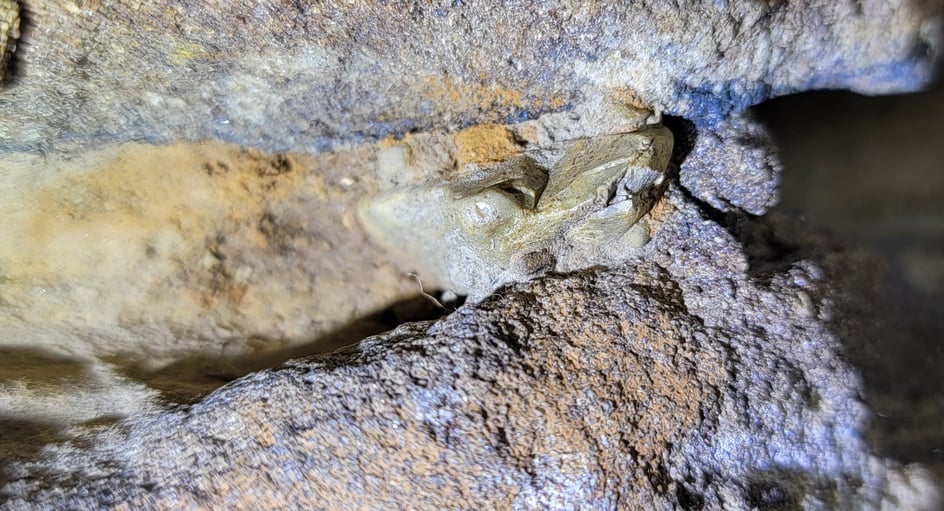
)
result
[(837, 178), (745, 171), (290, 76), (9, 34), (677, 382), (708, 372)]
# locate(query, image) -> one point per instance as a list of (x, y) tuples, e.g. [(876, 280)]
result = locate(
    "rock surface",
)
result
[(680, 382), (176, 263), (707, 372), (290, 76), (9, 34), (837, 178)]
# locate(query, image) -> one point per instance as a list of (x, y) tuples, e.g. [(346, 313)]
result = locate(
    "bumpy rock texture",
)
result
[(706, 371), (678, 381), (889, 316), (286, 75)]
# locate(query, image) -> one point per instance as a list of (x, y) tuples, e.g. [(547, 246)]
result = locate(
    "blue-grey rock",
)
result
[(289, 76)]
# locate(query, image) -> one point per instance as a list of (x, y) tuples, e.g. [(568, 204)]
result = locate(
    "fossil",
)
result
[(9, 34), (559, 207)]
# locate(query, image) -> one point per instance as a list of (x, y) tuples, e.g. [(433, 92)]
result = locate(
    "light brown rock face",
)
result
[(156, 246)]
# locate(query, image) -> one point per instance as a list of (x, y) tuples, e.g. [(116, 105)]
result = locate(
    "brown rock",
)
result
[(635, 388)]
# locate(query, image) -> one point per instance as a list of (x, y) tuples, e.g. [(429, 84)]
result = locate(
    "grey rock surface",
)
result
[(709, 371), (681, 381), (745, 171), (291, 76)]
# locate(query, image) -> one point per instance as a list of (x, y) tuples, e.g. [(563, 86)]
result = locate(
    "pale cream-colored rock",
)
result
[(192, 258)]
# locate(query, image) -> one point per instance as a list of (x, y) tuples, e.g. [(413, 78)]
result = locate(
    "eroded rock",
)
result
[(287, 76), (655, 384)]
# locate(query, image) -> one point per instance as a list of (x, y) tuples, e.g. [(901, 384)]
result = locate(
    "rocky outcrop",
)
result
[(704, 368), (681, 381), (289, 76)]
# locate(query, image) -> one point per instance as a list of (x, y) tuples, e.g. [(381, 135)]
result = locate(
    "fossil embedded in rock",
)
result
[(560, 207)]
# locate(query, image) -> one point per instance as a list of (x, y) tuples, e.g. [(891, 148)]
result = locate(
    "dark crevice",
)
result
[(684, 134), (14, 70), (687, 499), (192, 378), (769, 493), (768, 252), (179, 385), (865, 175)]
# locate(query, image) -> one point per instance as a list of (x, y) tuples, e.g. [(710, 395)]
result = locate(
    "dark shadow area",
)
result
[(32, 371), (767, 253), (30, 365), (21, 439), (863, 192), (684, 136), (783, 490), (15, 65), (191, 378)]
